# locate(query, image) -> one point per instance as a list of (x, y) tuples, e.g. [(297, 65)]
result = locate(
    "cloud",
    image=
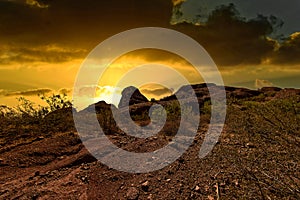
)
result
[(84, 23), (33, 92), (65, 91), (35, 3), (46, 54), (228, 37), (232, 40), (35, 38), (155, 55), (288, 52), (2, 92), (177, 2), (89, 94), (95, 90), (198, 11), (156, 92), (262, 83)]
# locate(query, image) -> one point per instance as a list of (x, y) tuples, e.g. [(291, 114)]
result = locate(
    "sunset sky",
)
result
[(43, 42)]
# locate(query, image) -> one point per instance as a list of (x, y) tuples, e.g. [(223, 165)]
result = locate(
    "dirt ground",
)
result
[(59, 167), (38, 162)]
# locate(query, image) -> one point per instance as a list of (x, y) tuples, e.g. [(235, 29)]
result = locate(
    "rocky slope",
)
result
[(255, 158)]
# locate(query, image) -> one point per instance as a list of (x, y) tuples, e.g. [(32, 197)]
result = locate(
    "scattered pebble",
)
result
[(145, 186), (132, 193), (250, 145)]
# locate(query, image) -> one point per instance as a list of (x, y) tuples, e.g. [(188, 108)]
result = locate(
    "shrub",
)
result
[(27, 109), (56, 101)]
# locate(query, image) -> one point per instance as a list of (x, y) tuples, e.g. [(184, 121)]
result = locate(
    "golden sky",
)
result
[(43, 43)]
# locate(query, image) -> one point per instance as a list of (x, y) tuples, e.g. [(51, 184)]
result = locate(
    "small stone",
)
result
[(145, 186), (1, 161), (132, 193), (236, 182), (41, 137), (168, 180), (84, 179), (85, 167), (227, 140), (150, 197), (37, 173), (197, 188), (210, 197), (61, 157), (67, 183), (39, 183), (250, 145), (181, 160)]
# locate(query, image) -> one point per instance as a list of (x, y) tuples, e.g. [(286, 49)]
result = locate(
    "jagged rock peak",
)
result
[(132, 95)]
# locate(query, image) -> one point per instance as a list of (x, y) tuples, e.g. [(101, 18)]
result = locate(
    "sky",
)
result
[(288, 12), (44, 42)]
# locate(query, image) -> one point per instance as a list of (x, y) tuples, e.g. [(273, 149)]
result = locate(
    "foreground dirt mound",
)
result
[(59, 167)]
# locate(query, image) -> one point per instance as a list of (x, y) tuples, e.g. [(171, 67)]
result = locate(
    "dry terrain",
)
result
[(257, 156)]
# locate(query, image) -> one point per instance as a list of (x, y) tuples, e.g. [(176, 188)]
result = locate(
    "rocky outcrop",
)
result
[(287, 93), (242, 93), (99, 106), (270, 89), (130, 96)]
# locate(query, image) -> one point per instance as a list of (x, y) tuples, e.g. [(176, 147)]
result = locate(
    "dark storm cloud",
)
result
[(74, 26), (82, 23), (231, 39), (234, 36), (198, 11)]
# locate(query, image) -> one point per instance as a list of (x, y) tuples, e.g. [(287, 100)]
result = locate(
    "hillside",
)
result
[(257, 156)]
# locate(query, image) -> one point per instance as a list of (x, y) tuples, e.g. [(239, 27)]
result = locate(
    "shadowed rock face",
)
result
[(98, 107), (139, 103), (140, 106), (270, 89), (242, 93), (133, 96)]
